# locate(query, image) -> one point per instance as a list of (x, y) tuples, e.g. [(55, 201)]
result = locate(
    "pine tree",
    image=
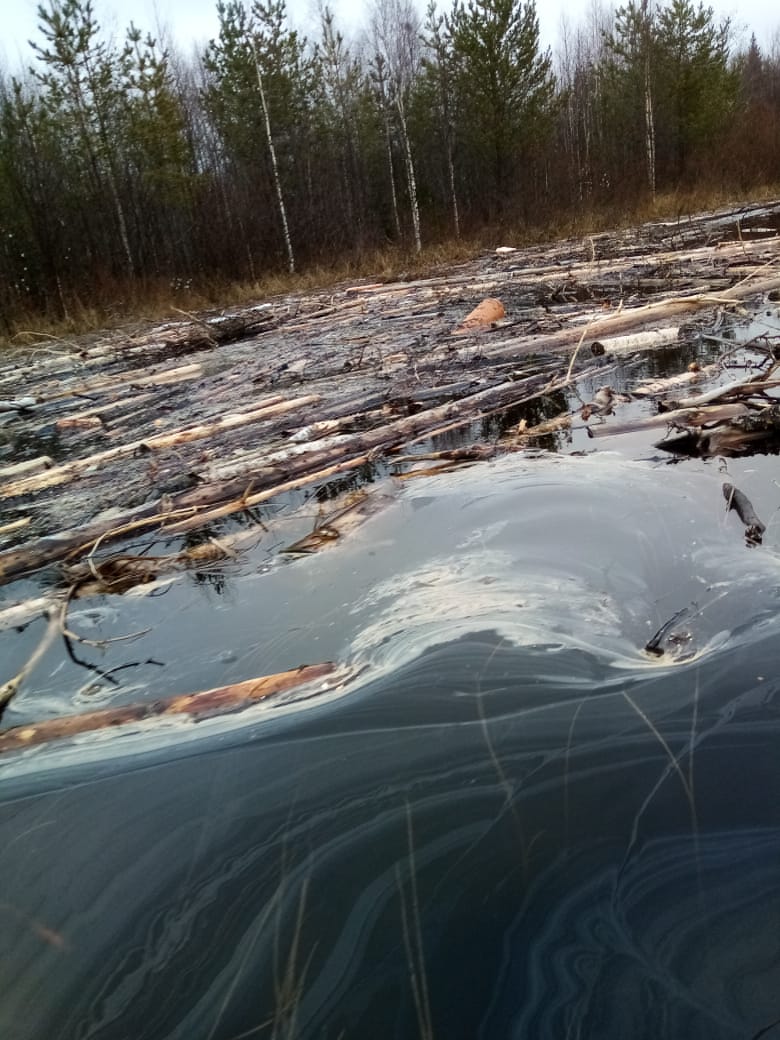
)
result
[(341, 81), (78, 71), (35, 247), (158, 152), (697, 89), (440, 68), (505, 84), (670, 76)]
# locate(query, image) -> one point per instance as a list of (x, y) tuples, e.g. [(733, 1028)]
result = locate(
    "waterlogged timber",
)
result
[(534, 793)]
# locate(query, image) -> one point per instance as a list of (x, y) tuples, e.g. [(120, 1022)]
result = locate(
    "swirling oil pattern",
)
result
[(516, 825)]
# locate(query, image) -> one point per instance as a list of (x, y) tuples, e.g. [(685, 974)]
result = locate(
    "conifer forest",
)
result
[(126, 163)]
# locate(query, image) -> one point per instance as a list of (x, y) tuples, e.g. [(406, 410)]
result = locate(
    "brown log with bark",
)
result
[(205, 704)]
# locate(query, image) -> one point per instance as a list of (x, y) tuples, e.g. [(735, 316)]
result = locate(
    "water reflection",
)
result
[(516, 824), (488, 842)]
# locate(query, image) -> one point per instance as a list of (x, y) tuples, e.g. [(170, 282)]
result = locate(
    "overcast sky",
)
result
[(195, 20)]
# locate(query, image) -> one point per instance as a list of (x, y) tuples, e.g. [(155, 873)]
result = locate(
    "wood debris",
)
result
[(131, 458), (484, 316), (743, 507), (196, 706), (303, 390)]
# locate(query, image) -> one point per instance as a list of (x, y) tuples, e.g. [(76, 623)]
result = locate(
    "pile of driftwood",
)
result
[(139, 439)]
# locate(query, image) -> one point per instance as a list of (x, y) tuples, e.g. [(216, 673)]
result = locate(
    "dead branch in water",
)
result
[(10, 688), (743, 507)]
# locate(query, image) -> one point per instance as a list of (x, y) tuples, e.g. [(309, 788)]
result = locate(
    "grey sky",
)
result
[(195, 20)]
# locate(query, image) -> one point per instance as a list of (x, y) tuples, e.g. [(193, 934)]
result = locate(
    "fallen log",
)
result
[(484, 316), (249, 501), (205, 704), (657, 387), (739, 388), (185, 511), (632, 318), (359, 450), (58, 475), (122, 405), (15, 525), (26, 468), (137, 378), (653, 339), (681, 417)]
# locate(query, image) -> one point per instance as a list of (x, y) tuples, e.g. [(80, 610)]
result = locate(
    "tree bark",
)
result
[(275, 168)]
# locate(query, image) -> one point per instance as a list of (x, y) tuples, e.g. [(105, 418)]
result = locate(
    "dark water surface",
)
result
[(514, 823)]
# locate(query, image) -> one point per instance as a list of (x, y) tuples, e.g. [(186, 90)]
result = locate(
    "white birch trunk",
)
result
[(649, 129), (275, 168), (393, 193), (649, 116), (410, 176), (389, 149), (453, 193)]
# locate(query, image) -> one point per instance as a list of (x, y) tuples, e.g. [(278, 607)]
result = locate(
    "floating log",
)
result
[(206, 704), (138, 378), (657, 387), (26, 468), (20, 614), (348, 340), (681, 417), (362, 448), (186, 511), (741, 504), (338, 524), (739, 388), (58, 475), (15, 525), (734, 435), (651, 340), (633, 318)]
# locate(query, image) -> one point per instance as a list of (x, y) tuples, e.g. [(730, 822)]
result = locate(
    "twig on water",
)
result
[(10, 689)]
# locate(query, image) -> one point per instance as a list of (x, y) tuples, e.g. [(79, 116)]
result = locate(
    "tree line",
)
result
[(125, 165)]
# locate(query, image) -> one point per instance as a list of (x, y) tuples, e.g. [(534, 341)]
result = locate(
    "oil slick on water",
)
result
[(514, 823)]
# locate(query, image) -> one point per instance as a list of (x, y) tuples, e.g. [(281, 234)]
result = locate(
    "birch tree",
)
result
[(274, 164), (395, 36), (258, 94), (582, 126)]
